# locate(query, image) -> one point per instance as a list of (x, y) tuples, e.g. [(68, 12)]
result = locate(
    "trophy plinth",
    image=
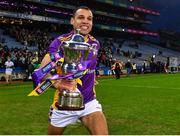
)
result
[(71, 100)]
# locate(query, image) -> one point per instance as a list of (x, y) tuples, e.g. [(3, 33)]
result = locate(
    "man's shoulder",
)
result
[(65, 37), (68, 36), (57, 42), (92, 38), (94, 41)]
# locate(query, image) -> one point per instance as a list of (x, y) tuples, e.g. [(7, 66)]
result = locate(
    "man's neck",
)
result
[(75, 31)]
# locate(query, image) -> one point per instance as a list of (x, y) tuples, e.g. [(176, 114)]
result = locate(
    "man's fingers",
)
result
[(68, 84), (65, 84), (57, 84)]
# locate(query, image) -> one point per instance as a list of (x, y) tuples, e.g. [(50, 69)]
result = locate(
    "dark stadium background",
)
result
[(169, 19), (129, 24)]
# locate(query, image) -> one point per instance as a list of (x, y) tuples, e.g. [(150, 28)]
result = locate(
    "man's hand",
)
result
[(65, 84), (61, 83)]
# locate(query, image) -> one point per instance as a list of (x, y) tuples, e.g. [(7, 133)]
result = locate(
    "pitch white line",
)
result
[(139, 86), (149, 87), (15, 86)]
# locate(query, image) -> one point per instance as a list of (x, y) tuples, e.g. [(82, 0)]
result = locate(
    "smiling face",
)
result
[(82, 20)]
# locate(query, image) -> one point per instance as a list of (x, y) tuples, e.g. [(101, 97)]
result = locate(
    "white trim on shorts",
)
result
[(59, 118)]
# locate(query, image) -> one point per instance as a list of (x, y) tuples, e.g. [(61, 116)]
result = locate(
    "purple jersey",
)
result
[(87, 88)]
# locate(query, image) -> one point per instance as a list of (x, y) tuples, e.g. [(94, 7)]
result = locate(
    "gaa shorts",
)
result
[(63, 118)]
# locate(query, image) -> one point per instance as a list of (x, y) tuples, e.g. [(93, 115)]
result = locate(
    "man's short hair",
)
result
[(80, 7)]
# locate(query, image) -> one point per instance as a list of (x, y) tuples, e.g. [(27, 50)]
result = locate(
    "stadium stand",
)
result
[(27, 27)]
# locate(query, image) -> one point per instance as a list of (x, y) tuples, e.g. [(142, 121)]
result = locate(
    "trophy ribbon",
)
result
[(50, 81)]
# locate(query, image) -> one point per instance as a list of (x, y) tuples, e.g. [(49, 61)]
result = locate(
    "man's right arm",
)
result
[(59, 84), (52, 48), (45, 60)]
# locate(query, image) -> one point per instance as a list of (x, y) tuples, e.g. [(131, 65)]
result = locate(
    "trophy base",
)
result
[(69, 100), (70, 108)]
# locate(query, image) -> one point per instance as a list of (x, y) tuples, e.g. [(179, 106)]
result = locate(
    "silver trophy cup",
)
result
[(75, 54)]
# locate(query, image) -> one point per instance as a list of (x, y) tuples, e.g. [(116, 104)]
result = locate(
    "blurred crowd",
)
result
[(25, 58), (30, 37), (21, 57)]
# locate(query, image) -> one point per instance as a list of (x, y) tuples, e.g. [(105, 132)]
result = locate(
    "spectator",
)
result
[(128, 67), (134, 68), (117, 68), (9, 69)]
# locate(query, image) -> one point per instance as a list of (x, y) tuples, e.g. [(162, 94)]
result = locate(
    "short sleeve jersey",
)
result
[(87, 88)]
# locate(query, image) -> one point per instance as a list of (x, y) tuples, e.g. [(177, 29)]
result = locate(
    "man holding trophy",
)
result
[(74, 98)]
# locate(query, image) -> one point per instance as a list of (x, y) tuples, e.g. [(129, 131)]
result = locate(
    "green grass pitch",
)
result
[(148, 104)]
